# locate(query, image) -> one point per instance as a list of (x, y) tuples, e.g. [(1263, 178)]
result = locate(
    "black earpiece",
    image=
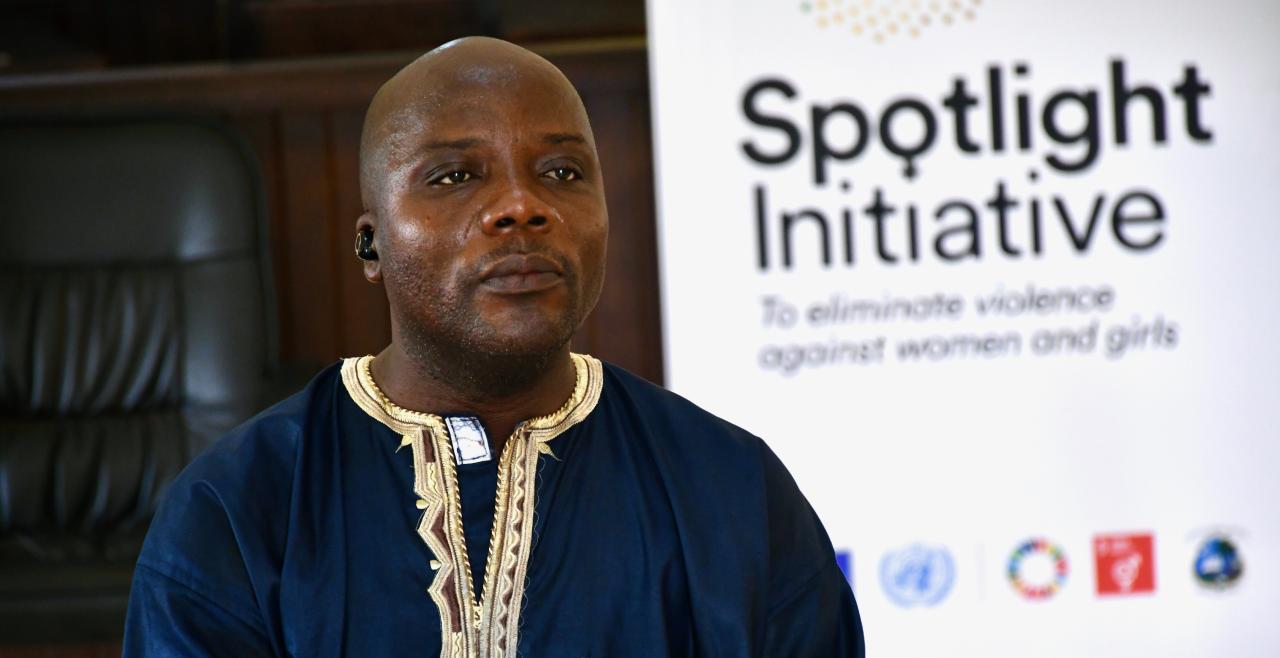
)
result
[(364, 245)]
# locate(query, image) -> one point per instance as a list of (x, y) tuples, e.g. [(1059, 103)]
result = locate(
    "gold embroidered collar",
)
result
[(485, 626)]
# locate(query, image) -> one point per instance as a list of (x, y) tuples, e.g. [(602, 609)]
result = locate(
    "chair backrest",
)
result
[(136, 325)]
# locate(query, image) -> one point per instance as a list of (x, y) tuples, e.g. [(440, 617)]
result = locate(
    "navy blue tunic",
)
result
[(657, 529)]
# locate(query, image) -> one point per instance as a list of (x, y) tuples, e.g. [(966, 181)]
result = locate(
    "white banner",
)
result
[(998, 282)]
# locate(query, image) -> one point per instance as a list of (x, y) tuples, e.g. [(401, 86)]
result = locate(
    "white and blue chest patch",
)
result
[(470, 443)]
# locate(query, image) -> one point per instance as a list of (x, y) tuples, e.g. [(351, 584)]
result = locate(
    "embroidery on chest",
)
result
[(484, 624)]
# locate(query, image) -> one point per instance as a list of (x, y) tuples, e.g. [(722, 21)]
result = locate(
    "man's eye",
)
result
[(453, 178), (563, 174)]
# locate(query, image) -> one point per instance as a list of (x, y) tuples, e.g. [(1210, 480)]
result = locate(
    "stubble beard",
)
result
[(447, 339)]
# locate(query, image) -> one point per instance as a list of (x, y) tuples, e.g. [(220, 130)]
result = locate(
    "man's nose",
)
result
[(516, 208)]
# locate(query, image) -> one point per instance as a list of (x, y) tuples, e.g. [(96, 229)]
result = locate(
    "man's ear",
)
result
[(367, 247)]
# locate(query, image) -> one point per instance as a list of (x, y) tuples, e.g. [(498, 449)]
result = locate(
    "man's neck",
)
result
[(415, 386)]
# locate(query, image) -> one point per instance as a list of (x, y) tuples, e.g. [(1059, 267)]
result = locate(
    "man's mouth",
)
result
[(522, 273)]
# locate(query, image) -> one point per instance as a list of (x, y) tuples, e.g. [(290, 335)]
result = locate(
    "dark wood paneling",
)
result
[(625, 325), (305, 238), (564, 19), (138, 32), (302, 120), (292, 28), (86, 34)]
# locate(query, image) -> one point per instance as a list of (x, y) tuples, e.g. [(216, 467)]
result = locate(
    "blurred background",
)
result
[(180, 182)]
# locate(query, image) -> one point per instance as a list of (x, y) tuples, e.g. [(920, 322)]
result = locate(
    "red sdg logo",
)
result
[(1125, 564)]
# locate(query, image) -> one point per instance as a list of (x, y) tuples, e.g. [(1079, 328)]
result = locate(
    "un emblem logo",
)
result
[(917, 575)]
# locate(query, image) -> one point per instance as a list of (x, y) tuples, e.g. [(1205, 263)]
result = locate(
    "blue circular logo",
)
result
[(1218, 563), (917, 575)]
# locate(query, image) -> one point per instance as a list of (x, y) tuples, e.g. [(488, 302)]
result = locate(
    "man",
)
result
[(475, 489)]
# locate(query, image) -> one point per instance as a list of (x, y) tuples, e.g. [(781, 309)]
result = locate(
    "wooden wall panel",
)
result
[(305, 239), (625, 326), (292, 28)]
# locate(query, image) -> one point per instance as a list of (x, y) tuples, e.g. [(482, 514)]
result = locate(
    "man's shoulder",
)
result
[(235, 491), (669, 416)]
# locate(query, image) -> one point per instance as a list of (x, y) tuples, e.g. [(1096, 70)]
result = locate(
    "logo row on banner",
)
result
[(1037, 569)]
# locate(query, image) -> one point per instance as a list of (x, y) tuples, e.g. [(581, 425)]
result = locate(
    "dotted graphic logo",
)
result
[(879, 20), (1038, 569)]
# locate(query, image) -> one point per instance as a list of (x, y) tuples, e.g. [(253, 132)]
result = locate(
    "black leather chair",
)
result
[(137, 323)]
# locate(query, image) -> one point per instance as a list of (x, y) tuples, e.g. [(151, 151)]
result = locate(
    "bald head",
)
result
[(485, 209), (468, 74)]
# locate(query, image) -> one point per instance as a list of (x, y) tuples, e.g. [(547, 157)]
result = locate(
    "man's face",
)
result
[(492, 233)]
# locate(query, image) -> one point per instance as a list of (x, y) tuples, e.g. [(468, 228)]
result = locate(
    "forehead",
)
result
[(505, 103)]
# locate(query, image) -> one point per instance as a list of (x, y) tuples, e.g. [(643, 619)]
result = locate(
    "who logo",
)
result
[(917, 575)]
